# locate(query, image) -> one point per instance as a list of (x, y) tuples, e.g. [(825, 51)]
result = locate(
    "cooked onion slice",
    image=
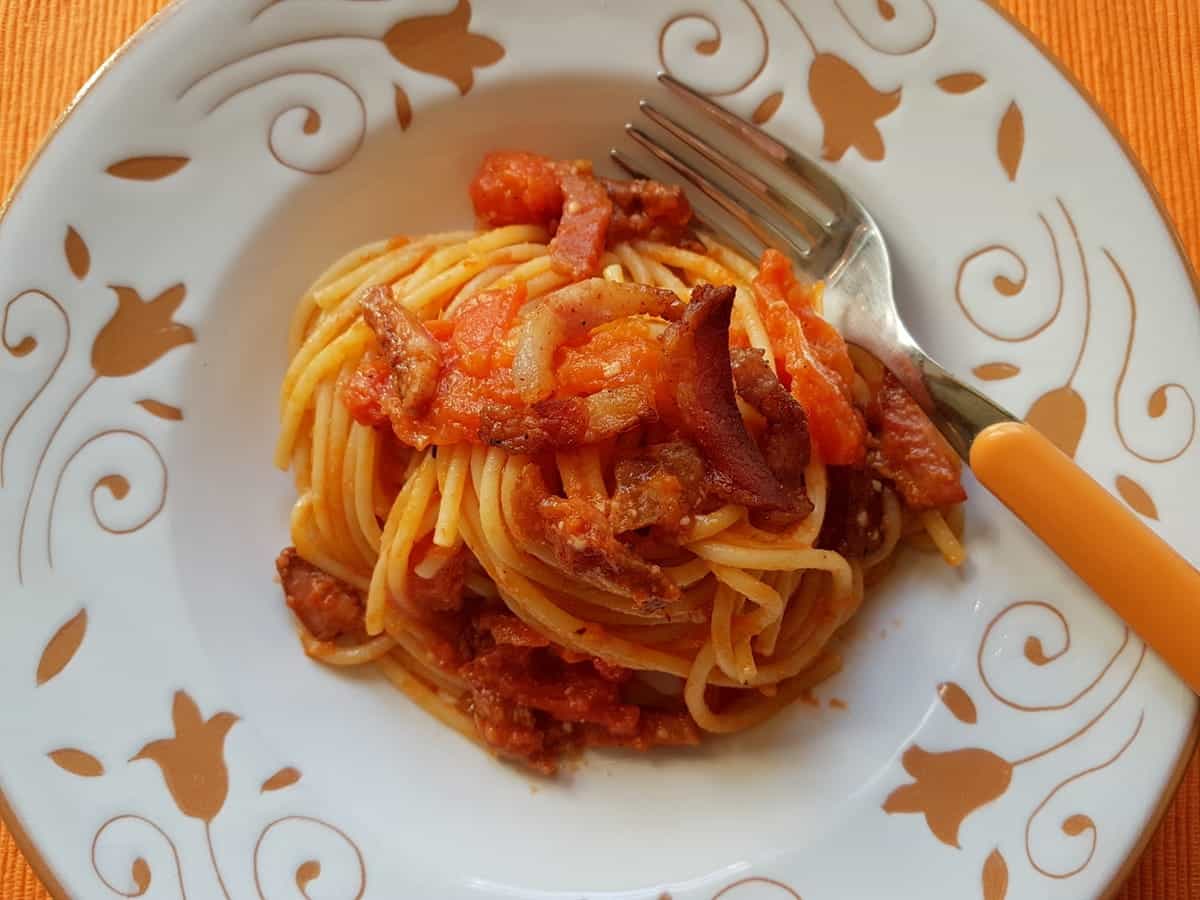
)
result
[(569, 314)]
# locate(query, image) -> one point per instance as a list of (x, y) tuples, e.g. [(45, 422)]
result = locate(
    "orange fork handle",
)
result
[(1133, 570)]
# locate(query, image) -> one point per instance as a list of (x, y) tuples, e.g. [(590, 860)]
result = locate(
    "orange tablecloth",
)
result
[(1139, 58)]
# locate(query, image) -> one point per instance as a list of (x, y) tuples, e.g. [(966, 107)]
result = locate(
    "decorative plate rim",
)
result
[(39, 863), (1192, 742)]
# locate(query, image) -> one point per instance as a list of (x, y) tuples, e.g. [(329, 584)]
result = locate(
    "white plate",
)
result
[(148, 266)]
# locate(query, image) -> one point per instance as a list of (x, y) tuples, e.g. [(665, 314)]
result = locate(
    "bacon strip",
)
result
[(853, 511), (656, 728), (582, 233), (647, 209), (415, 357), (579, 696), (518, 188), (786, 445), (912, 452), (657, 485), (582, 542), (327, 606), (559, 424), (700, 377), (520, 733)]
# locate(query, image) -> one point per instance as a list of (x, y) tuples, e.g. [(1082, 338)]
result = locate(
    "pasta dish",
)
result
[(586, 476)]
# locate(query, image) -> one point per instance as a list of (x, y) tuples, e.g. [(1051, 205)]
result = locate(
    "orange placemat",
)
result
[(1140, 59)]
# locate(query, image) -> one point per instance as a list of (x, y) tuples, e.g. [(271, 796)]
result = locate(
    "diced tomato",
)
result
[(579, 242), (826, 344), (475, 379), (363, 393), (627, 352), (516, 188), (815, 361), (912, 452), (479, 326), (458, 408)]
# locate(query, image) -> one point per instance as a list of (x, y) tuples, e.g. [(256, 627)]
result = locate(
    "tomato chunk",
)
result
[(480, 325), (516, 188), (584, 212), (364, 391), (624, 353), (815, 361)]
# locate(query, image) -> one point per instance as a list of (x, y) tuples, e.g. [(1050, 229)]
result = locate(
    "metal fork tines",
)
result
[(699, 224), (801, 216), (827, 195), (784, 200)]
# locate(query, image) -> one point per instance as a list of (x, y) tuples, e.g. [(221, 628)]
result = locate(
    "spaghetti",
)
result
[(587, 476)]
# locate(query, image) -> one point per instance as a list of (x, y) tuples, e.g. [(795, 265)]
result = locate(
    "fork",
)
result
[(829, 235)]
